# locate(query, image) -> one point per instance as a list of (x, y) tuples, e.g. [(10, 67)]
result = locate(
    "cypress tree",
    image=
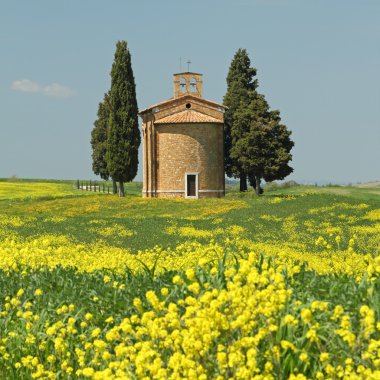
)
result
[(241, 88), (263, 150), (277, 166), (124, 135), (99, 136), (257, 145)]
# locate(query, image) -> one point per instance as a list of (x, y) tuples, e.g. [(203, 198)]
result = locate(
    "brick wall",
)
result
[(192, 147)]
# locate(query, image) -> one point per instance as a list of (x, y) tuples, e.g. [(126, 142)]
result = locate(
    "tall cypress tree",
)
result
[(241, 89), (263, 149), (124, 135), (99, 136), (257, 145)]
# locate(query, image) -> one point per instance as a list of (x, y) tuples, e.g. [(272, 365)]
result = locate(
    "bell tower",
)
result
[(187, 84)]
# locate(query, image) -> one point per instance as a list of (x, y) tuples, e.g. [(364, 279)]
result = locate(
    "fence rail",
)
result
[(95, 186)]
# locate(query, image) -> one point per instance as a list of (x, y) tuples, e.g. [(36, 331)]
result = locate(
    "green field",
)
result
[(293, 217), (280, 286)]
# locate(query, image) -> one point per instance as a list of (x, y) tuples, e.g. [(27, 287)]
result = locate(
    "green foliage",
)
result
[(241, 87), (99, 136), (282, 227), (280, 145), (89, 300), (257, 145), (124, 135), (262, 144)]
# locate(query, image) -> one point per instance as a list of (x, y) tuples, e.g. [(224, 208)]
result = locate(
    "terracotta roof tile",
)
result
[(188, 116)]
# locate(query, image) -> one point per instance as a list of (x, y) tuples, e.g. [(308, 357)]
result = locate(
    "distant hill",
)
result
[(368, 185)]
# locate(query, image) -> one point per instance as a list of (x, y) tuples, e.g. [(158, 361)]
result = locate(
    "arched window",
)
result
[(182, 85), (193, 85)]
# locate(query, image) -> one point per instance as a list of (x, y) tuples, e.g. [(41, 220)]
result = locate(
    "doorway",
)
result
[(191, 185)]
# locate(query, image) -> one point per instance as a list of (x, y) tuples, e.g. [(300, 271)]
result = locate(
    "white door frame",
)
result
[(196, 185)]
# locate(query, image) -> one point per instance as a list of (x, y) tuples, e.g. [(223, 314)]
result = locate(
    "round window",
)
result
[(188, 105)]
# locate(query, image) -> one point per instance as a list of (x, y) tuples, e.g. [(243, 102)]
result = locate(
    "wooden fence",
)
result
[(95, 186)]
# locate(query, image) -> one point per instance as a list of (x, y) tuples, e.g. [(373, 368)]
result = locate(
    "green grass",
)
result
[(263, 218), (281, 227)]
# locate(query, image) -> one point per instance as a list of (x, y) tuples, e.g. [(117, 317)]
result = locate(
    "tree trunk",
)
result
[(258, 188), (114, 187), (121, 189), (243, 182)]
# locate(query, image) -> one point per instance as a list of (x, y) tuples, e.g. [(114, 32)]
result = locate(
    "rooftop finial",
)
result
[(188, 65)]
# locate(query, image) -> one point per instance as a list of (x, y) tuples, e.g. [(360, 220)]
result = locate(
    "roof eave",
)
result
[(188, 72), (181, 97), (188, 122)]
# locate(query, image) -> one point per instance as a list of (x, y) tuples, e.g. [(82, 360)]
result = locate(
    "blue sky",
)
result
[(318, 62)]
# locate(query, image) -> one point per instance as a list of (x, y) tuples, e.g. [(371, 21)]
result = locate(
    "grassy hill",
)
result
[(283, 286), (291, 216)]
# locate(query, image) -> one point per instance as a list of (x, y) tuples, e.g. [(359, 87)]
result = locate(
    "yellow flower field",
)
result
[(281, 287)]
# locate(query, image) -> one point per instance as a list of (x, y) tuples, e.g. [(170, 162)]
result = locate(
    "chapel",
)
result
[(183, 141)]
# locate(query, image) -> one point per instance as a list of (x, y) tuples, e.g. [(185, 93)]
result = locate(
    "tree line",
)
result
[(257, 145)]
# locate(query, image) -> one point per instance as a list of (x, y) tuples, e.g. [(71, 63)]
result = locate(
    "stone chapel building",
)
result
[(183, 141)]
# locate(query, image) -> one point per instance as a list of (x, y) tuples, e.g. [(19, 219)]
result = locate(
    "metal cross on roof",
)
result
[(188, 65)]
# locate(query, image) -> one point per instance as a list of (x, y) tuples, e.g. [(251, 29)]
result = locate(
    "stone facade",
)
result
[(183, 140)]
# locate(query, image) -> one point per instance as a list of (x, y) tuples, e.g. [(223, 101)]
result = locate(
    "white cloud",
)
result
[(25, 85), (54, 89)]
